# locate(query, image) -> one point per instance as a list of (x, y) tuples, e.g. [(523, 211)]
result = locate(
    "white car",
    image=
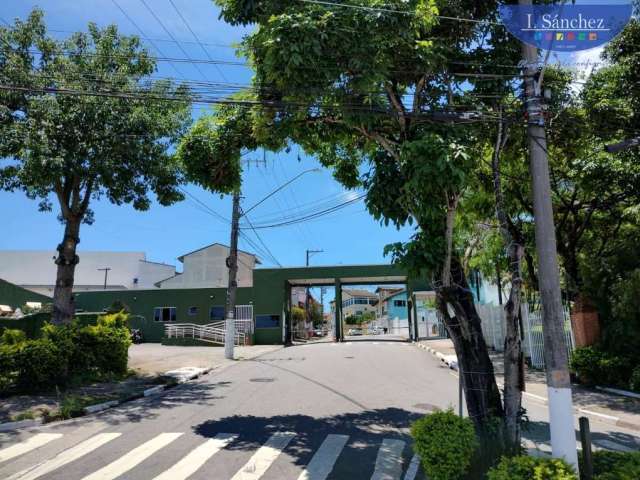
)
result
[(376, 330), (354, 331)]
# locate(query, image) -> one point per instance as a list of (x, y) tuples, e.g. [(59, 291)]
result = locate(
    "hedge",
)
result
[(445, 443), (62, 354), (531, 468)]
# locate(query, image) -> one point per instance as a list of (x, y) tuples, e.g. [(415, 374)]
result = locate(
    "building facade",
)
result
[(35, 270), (356, 302), (207, 268)]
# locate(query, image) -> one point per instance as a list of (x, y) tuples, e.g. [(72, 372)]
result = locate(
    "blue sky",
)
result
[(349, 236)]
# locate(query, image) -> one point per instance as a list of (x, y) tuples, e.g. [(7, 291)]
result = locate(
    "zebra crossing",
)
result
[(390, 464)]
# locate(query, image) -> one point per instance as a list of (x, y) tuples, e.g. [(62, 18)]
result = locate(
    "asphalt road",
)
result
[(336, 411)]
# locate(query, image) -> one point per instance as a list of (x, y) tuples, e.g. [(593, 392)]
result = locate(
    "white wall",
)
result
[(35, 269), (207, 268)]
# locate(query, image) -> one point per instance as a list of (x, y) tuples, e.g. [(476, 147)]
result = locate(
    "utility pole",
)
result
[(563, 438), (232, 265), (106, 272), (309, 253)]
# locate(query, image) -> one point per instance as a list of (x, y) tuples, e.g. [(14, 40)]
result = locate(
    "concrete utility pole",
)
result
[(106, 272), (563, 438), (232, 264), (306, 296)]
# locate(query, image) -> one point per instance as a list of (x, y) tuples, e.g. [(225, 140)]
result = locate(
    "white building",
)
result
[(207, 268), (35, 270)]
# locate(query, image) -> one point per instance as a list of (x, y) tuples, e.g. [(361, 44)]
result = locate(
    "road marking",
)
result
[(264, 457), (597, 414), (389, 460), (30, 444), (133, 458), (412, 471), (65, 457), (197, 458), (325, 458)]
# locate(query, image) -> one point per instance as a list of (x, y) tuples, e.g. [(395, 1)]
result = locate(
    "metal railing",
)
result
[(208, 333)]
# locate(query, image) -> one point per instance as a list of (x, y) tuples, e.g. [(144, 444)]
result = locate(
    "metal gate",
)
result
[(244, 319)]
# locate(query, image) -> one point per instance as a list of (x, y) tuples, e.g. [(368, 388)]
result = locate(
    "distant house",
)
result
[(383, 293), (395, 304), (35, 270), (357, 302), (207, 268)]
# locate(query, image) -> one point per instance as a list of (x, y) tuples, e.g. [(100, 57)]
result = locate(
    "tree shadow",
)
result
[(199, 393), (366, 431)]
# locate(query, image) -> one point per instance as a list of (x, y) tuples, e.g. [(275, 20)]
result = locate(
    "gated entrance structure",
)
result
[(268, 300), (282, 280)]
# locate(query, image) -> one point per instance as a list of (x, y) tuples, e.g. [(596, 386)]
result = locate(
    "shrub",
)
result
[(12, 336), (616, 465), (40, 364), (531, 468), (66, 353), (634, 383), (445, 443), (595, 367)]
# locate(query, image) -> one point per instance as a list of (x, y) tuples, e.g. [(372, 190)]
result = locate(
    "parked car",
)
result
[(375, 330), (318, 332), (354, 331)]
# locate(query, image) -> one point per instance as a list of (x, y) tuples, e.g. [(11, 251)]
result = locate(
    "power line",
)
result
[(312, 216), (142, 33), (184, 52), (205, 206), (261, 241), (197, 39), (402, 12)]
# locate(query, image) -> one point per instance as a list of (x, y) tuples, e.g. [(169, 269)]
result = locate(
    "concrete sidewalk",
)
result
[(154, 358), (605, 407)]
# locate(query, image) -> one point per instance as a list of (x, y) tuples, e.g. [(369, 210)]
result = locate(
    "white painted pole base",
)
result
[(229, 337), (561, 421)]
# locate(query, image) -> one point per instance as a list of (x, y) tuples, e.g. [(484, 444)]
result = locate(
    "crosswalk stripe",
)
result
[(412, 471), (198, 457), (65, 457), (30, 444), (133, 458), (264, 457), (322, 462), (389, 460)]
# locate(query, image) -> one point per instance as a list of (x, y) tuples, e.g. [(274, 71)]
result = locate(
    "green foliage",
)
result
[(12, 336), (531, 468), (596, 367), (64, 353), (446, 444), (297, 314), (609, 465), (634, 382)]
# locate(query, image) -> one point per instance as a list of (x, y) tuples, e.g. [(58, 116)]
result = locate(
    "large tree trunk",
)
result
[(513, 359), (484, 404), (63, 303)]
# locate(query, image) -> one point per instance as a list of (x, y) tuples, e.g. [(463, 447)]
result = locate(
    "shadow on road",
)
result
[(366, 431)]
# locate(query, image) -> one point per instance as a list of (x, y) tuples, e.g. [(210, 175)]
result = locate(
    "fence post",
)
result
[(586, 469)]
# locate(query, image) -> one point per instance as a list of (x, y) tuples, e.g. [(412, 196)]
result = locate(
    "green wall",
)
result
[(16, 296), (269, 296), (143, 302)]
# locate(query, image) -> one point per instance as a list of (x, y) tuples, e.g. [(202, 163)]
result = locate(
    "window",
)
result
[(216, 312), (399, 303), (164, 314), (193, 311), (267, 321)]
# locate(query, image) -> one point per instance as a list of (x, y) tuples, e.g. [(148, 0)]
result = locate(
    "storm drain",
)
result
[(262, 380)]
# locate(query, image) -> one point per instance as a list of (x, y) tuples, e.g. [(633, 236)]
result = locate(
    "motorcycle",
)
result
[(136, 335)]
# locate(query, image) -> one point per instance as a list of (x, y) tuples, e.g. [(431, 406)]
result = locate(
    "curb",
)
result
[(100, 407), (617, 391), (20, 424), (601, 417)]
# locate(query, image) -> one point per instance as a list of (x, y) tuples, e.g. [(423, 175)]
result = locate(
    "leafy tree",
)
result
[(81, 120), (372, 94)]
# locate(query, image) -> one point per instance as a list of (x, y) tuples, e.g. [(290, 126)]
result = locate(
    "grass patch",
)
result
[(26, 415)]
